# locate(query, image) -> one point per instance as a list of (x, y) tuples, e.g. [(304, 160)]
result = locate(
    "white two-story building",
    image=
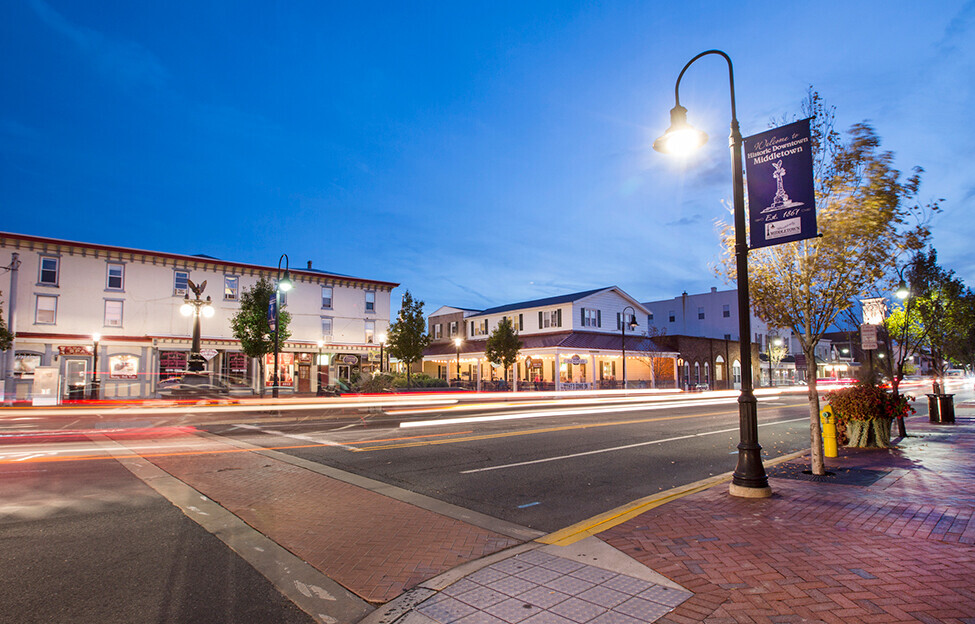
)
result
[(58, 295), (574, 341)]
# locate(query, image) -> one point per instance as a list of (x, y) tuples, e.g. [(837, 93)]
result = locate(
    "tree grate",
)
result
[(862, 477)]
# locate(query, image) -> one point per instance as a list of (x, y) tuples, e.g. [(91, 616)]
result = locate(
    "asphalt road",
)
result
[(546, 466), (88, 542)]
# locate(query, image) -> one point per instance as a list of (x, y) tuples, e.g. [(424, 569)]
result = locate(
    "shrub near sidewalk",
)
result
[(866, 412)]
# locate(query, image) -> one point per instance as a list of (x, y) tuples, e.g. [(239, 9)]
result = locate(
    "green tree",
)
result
[(503, 345), (6, 336), (940, 306), (251, 326), (962, 351), (407, 337), (867, 216)]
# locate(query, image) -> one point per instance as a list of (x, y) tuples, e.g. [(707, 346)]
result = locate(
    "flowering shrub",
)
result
[(865, 401)]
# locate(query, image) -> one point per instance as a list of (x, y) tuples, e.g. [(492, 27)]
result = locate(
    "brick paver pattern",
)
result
[(900, 550), (375, 546)]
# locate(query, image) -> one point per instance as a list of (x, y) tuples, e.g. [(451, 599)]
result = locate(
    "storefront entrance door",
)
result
[(75, 378), (304, 378)]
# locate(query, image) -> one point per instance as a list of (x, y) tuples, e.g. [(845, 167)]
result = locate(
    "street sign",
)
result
[(868, 337), (781, 189)]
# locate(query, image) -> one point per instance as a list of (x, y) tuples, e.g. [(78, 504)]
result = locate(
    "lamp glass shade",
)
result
[(186, 309), (208, 311), (902, 291), (681, 138)]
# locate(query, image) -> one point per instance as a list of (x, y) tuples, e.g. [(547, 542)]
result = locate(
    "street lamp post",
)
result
[(749, 479), (94, 395), (903, 293), (777, 341), (457, 342), (282, 285), (623, 325), (195, 307), (382, 348)]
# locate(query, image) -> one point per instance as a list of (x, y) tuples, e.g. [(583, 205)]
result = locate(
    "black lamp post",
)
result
[(457, 342), (195, 307), (903, 293), (94, 394), (749, 479), (623, 325), (283, 285)]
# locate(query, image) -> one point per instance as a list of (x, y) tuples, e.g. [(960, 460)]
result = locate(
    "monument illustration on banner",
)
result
[(781, 200)]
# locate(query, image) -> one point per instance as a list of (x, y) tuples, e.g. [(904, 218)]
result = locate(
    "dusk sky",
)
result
[(477, 153)]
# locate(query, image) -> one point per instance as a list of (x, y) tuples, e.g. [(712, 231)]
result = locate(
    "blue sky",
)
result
[(477, 153)]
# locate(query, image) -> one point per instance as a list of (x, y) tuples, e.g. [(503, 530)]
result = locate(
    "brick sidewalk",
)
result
[(373, 545), (897, 550)]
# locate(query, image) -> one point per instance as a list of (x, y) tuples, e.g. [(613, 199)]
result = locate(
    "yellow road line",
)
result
[(609, 519)]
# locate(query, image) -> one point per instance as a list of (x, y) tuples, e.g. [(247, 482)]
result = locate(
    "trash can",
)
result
[(941, 408)]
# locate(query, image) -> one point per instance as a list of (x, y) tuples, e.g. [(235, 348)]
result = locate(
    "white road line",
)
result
[(572, 412), (299, 436), (619, 448)]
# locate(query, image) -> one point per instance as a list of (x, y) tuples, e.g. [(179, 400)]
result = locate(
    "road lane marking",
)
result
[(300, 436), (579, 411), (619, 448)]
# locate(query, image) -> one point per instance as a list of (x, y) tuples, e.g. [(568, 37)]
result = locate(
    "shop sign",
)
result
[(304, 358), (575, 360), (74, 350), (123, 367), (350, 359), (533, 363), (868, 337), (236, 361), (781, 191), (208, 354)]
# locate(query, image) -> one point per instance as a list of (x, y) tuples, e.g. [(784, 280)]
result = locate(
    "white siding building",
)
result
[(60, 293), (573, 341)]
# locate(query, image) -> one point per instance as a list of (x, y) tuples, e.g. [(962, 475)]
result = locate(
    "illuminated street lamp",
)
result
[(623, 325), (457, 343), (94, 394), (283, 285), (195, 307), (749, 479)]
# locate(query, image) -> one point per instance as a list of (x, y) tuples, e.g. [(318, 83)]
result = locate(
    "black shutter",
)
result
[(582, 316), (558, 314), (521, 322), (539, 319), (618, 319), (599, 318)]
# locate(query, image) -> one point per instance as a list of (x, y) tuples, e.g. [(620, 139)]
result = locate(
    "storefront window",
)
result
[(25, 363), (123, 367), (286, 370), (235, 368), (171, 364)]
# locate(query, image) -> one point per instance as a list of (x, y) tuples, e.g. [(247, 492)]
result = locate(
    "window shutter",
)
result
[(539, 319), (521, 322), (599, 318), (619, 320), (582, 316), (558, 314)]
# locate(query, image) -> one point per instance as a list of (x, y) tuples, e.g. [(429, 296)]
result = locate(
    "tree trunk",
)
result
[(260, 366), (816, 457)]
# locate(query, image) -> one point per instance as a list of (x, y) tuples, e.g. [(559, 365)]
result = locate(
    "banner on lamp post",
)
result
[(781, 190)]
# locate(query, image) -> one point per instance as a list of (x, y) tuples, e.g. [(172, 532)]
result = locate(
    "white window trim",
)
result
[(176, 291), (331, 297), (331, 326), (37, 299), (108, 276), (121, 315), (367, 302), (236, 296), (57, 270)]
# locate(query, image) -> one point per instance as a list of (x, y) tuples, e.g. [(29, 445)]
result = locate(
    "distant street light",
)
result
[(457, 343), (195, 363), (382, 347), (283, 285), (94, 395), (749, 479), (623, 323)]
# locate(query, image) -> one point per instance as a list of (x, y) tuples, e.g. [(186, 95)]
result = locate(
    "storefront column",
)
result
[(676, 376), (558, 371), (592, 371), (478, 374)]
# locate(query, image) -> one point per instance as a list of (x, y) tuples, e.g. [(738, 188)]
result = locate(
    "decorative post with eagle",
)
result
[(196, 362)]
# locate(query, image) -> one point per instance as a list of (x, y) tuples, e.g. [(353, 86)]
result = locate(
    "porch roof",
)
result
[(582, 341)]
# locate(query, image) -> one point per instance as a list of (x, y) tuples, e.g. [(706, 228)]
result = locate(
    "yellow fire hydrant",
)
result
[(828, 419)]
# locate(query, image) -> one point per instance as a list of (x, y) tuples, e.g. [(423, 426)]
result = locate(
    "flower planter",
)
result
[(874, 433)]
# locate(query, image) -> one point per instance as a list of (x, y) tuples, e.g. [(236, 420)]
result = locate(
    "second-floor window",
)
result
[(46, 312), (671, 316), (113, 313), (549, 318), (115, 278), (591, 317), (231, 287), (437, 331), (700, 313), (180, 279), (326, 297), (479, 328), (726, 311), (326, 326), (370, 301), (453, 328), (48, 275), (370, 332)]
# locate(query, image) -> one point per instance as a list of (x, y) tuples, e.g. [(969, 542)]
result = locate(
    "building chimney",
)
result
[(714, 289), (309, 264)]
